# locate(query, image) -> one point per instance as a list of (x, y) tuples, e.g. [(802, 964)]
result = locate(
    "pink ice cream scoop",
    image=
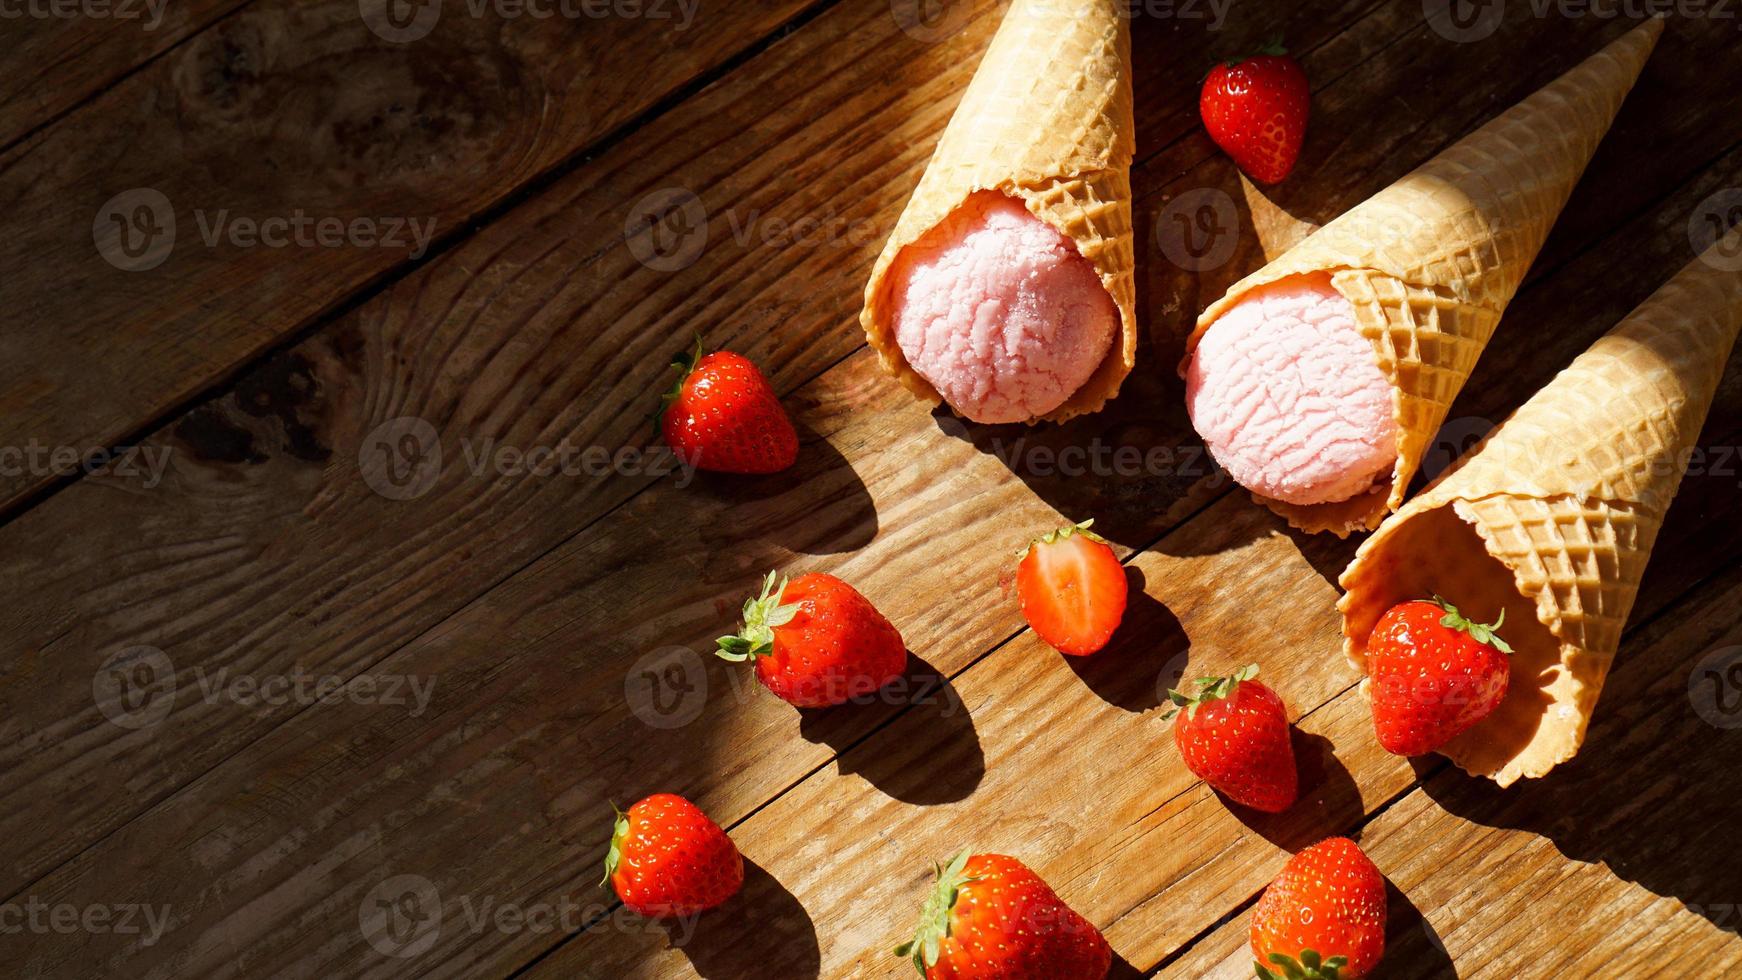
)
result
[(1000, 312), (1289, 398)]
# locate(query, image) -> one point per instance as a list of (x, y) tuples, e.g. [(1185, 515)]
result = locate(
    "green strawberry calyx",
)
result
[(1480, 632), (934, 918), (1069, 530), (1272, 47), (1209, 689), (1309, 967), (761, 615), (614, 854), (685, 363)]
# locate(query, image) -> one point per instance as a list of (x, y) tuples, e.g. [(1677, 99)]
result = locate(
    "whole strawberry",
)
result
[(1234, 735), (990, 918), (1072, 589), (1323, 918), (816, 641), (668, 859), (1256, 111), (723, 415), (1433, 674)]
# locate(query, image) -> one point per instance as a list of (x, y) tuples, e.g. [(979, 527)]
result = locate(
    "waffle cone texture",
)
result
[(1566, 499), (1046, 120), (1431, 262)]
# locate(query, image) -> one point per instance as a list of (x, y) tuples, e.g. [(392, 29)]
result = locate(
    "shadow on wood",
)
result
[(1144, 658), (943, 767), (1329, 802), (1652, 794), (1413, 950), (818, 506), (763, 931)]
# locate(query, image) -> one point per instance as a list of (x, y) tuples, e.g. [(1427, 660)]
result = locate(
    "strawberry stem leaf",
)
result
[(1081, 527), (614, 854), (761, 616), (1480, 632), (1209, 689), (934, 918), (1310, 966), (684, 362)]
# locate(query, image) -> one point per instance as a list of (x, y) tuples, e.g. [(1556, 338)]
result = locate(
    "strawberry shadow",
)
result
[(761, 931), (1127, 672), (1122, 969), (931, 755), (817, 506), (1328, 805), (1413, 950)]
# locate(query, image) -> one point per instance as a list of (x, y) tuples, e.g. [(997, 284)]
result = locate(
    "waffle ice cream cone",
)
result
[(1430, 262), (1047, 120), (1552, 517)]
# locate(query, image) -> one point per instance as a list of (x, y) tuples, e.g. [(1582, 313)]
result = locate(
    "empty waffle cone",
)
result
[(1553, 516), (1430, 262), (1047, 121)]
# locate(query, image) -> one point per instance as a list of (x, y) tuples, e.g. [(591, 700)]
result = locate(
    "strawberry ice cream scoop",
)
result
[(1000, 312), (1288, 395)]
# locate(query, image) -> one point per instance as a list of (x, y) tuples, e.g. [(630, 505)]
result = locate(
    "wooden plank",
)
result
[(364, 152), (1147, 879), (85, 48), (524, 688), (236, 550), (1633, 835)]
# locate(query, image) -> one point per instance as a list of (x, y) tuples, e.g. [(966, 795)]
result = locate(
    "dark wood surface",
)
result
[(522, 648)]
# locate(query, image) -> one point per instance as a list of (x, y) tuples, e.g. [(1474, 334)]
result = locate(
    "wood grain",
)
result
[(290, 112), (264, 551), (490, 793), (85, 48)]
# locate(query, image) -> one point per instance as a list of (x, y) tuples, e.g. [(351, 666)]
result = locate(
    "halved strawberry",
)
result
[(1072, 589)]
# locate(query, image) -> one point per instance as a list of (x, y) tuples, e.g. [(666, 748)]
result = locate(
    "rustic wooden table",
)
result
[(334, 666)]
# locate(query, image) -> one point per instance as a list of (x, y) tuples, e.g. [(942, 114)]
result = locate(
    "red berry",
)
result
[(1234, 735), (668, 859), (1256, 111), (990, 918), (1072, 589), (1323, 916), (816, 641), (1433, 674), (723, 415)]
